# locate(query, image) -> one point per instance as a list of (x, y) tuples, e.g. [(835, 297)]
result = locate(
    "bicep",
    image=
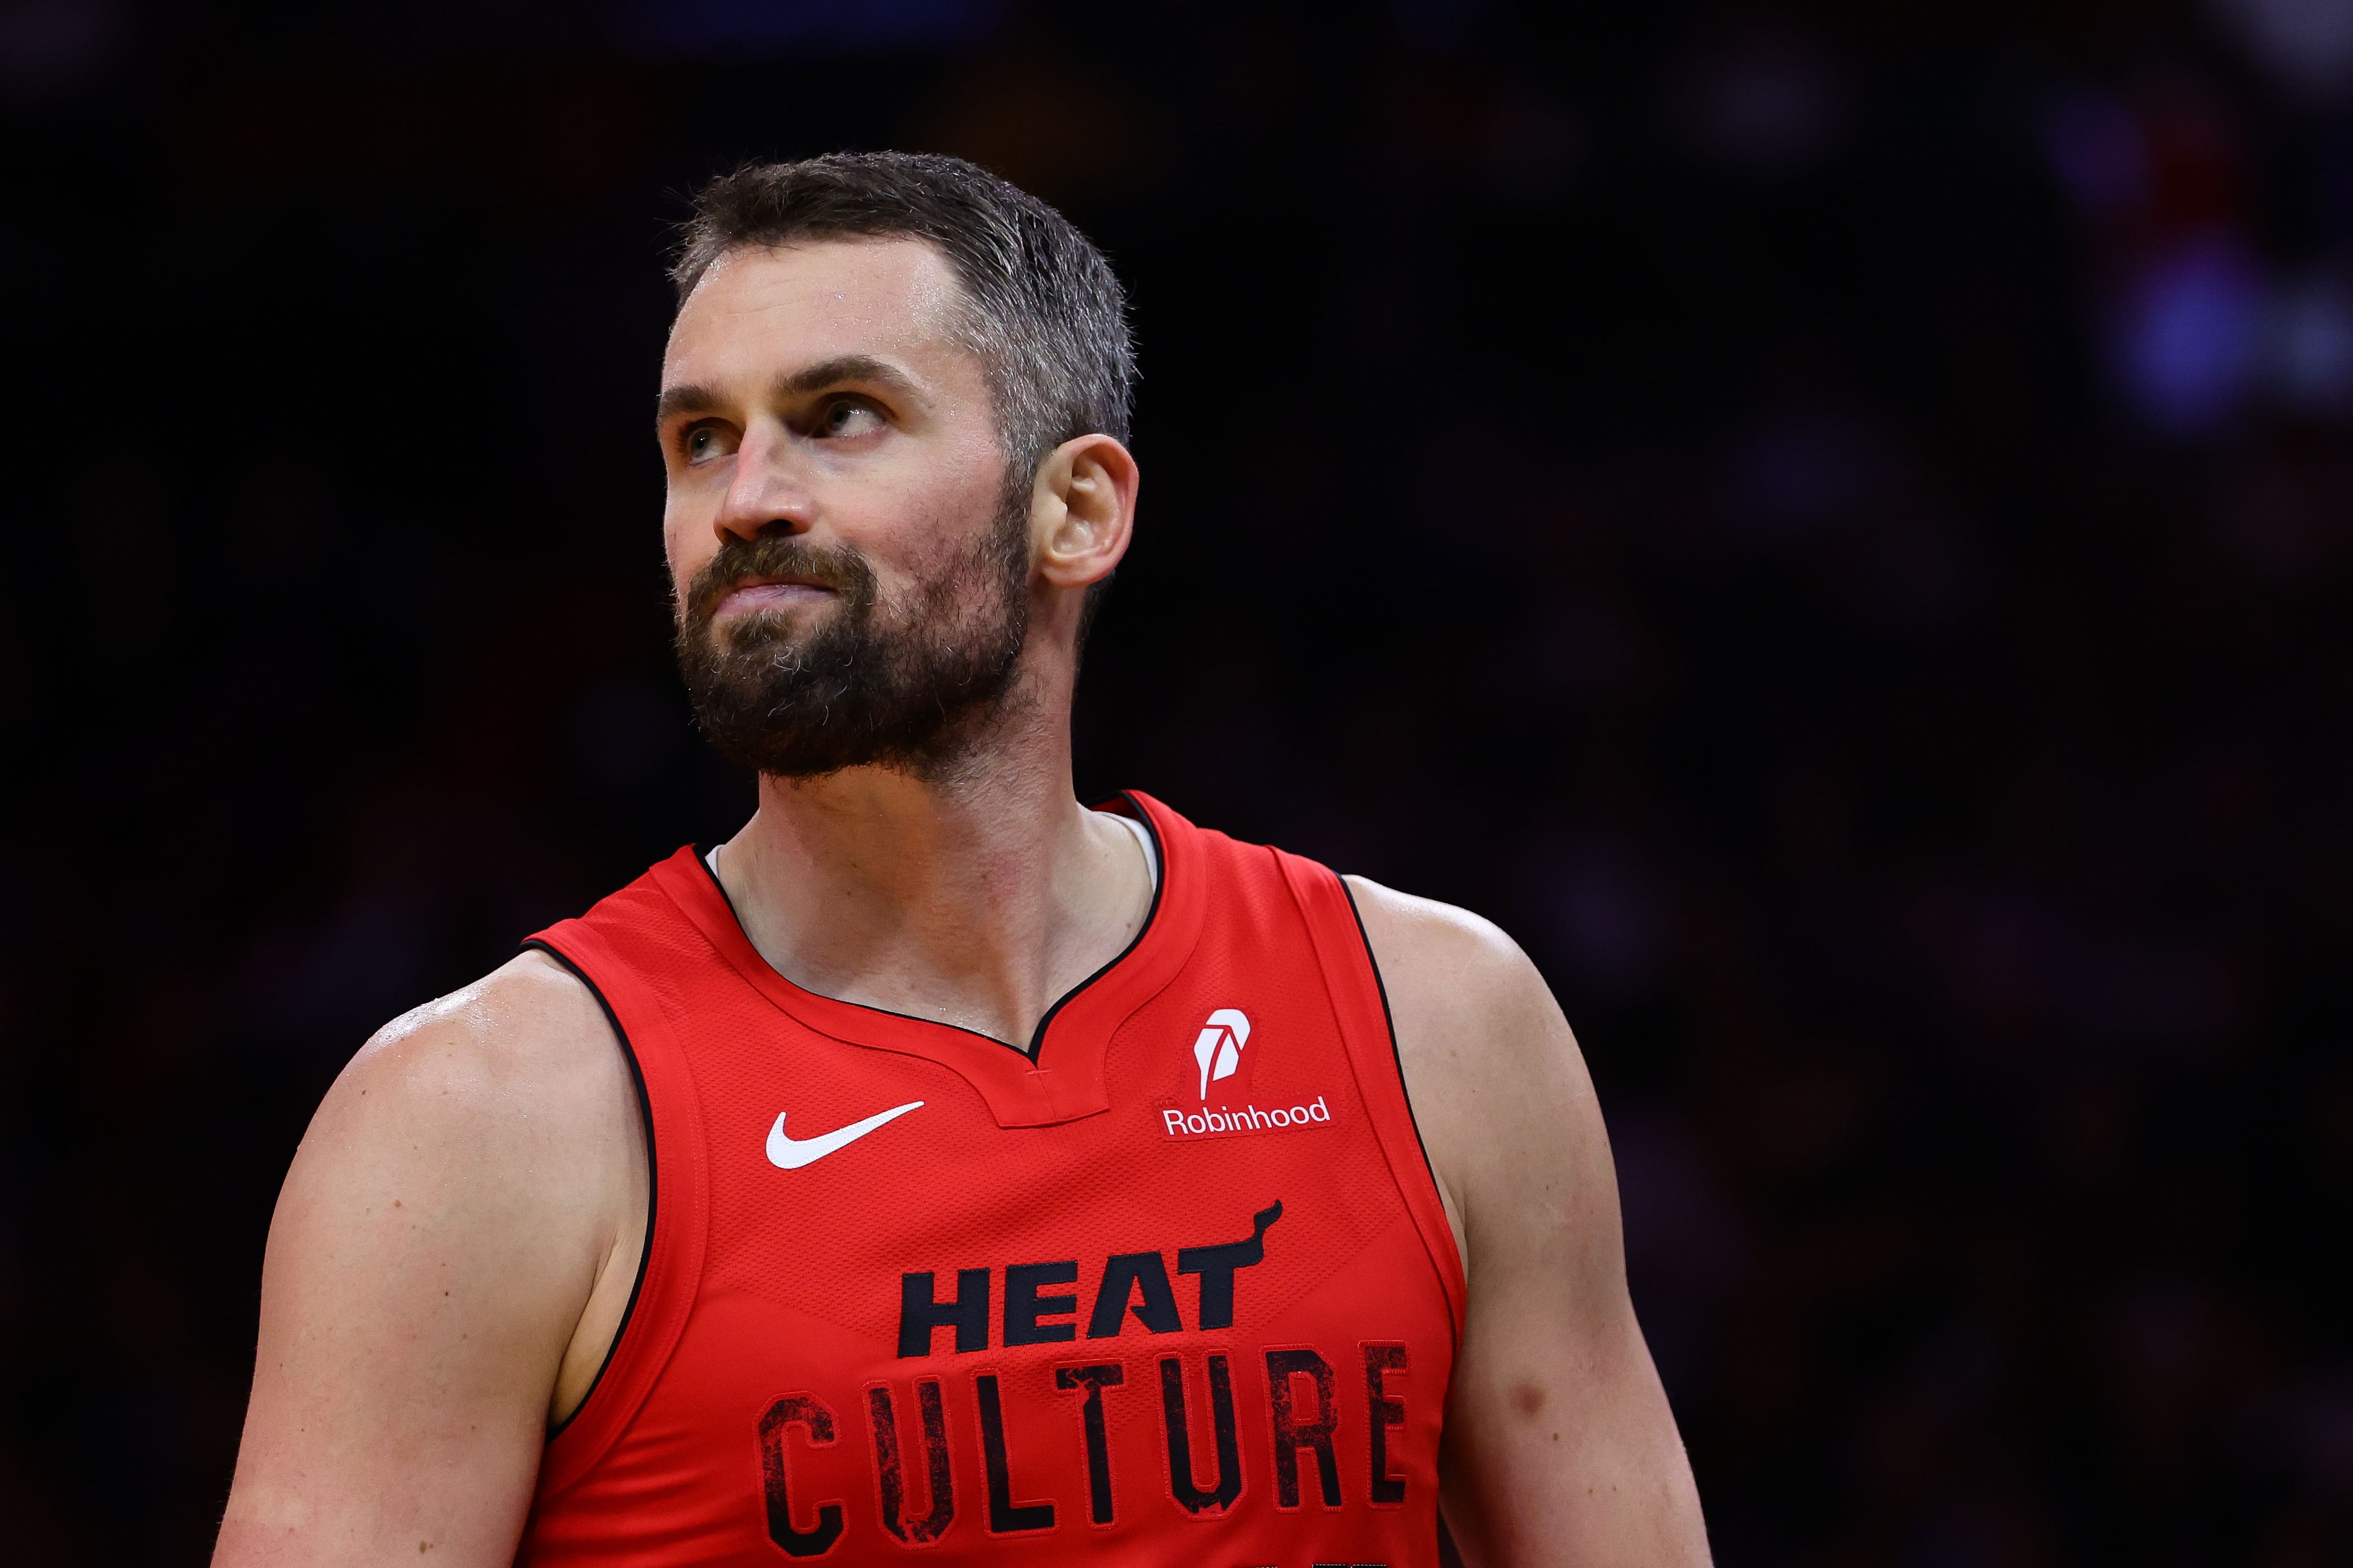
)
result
[(1559, 1445), (420, 1286)]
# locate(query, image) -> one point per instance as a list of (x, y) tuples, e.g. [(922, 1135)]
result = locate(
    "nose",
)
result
[(765, 493)]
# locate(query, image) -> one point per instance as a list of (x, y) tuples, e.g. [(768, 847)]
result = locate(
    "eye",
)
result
[(699, 443), (846, 417)]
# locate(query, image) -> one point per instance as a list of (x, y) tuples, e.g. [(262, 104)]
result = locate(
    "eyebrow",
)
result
[(692, 397)]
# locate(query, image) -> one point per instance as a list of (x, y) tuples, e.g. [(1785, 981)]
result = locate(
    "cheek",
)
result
[(957, 514), (913, 529), (942, 562), (687, 549)]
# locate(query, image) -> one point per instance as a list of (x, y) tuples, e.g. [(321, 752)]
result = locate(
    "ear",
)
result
[(1081, 511)]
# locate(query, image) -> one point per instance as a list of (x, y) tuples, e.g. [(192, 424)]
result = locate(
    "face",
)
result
[(850, 562)]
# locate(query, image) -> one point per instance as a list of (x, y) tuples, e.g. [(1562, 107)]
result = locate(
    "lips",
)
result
[(767, 593)]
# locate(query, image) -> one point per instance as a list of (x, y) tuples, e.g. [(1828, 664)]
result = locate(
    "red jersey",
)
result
[(1174, 1283)]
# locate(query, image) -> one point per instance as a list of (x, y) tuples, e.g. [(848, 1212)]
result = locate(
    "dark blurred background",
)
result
[(1830, 523)]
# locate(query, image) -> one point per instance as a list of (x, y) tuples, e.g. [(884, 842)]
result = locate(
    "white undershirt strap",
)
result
[(1144, 841)]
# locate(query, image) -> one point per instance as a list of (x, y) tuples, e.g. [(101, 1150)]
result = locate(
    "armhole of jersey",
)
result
[(1353, 979), (670, 1264), (653, 1182)]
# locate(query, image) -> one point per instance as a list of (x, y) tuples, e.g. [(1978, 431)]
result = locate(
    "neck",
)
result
[(976, 896)]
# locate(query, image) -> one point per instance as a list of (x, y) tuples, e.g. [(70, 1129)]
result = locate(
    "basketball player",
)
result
[(942, 1170)]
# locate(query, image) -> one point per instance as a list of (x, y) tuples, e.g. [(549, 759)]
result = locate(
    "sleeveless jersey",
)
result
[(1173, 1284)]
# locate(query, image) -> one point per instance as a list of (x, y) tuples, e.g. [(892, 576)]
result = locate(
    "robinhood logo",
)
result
[(1249, 1119), (1219, 1047), (1218, 1051)]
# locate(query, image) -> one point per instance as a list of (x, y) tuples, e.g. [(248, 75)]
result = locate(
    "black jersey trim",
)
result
[(702, 854), (1037, 1036), (653, 1180), (1373, 961), (1159, 884)]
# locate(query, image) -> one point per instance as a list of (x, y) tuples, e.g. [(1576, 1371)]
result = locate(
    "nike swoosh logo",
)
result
[(791, 1155)]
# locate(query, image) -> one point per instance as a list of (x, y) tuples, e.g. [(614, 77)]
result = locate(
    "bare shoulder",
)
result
[(1498, 1085), (1462, 963), (1469, 1007), (527, 1041), (504, 1107)]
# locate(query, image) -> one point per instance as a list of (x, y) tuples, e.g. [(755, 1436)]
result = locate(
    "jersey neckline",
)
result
[(1059, 1077)]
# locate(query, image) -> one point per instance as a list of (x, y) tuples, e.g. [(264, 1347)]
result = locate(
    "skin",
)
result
[(455, 1242)]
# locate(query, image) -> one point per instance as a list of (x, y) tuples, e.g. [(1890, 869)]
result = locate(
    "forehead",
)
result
[(760, 312)]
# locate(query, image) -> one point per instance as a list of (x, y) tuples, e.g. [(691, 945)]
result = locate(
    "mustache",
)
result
[(833, 566)]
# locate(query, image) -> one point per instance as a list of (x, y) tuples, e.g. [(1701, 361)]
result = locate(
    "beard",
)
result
[(906, 683)]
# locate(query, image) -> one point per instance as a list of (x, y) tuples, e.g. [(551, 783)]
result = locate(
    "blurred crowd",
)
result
[(1830, 523)]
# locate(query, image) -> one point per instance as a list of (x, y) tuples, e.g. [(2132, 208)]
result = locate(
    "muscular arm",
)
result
[(452, 1253), (1559, 1445)]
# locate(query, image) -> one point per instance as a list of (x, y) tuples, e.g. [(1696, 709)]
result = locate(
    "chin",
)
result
[(765, 629)]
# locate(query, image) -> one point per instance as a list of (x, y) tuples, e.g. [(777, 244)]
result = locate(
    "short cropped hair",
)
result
[(1042, 309)]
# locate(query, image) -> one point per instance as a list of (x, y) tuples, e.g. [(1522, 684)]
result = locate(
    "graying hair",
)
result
[(1042, 309)]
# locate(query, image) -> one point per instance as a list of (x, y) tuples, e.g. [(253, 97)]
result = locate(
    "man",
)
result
[(940, 1166)]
